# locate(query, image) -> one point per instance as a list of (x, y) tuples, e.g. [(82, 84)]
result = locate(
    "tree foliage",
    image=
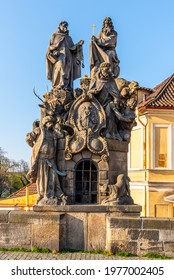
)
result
[(12, 174)]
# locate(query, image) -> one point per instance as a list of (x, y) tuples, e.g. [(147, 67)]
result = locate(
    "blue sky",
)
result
[(145, 49)]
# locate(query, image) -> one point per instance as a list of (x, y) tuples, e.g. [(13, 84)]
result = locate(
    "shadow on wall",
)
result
[(72, 232)]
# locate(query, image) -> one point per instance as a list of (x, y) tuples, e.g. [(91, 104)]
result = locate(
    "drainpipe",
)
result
[(144, 154)]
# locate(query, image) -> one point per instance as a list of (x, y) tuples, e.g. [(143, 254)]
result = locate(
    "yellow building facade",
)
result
[(151, 151), (23, 199)]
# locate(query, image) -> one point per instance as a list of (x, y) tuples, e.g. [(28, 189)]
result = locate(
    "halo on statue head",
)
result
[(105, 64)]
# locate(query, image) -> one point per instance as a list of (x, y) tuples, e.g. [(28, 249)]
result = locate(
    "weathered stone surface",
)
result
[(166, 235), (115, 145), (150, 247), (21, 217), (15, 235), (61, 165), (69, 165), (4, 216), (125, 222), (68, 183), (122, 246), (60, 155), (96, 231), (62, 232), (115, 165), (169, 246), (45, 236), (76, 231), (77, 157), (126, 208), (70, 175), (172, 224), (61, 144), (118, 234), (149, 235), (121, 156), (155, 223), (86, 154)]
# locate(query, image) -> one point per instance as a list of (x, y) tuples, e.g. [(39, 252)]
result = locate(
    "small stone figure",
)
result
[(63, 58), (120, 192), (43, 164), (128, 113), (31, 138), (84, 87), (102, 48)]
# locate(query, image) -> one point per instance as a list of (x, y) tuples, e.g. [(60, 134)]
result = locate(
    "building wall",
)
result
[(151, 162)]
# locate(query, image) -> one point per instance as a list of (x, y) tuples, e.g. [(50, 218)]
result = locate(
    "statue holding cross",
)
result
[(93, 28), (102, 48)]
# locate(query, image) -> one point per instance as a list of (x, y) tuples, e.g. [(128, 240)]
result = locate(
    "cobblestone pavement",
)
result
[(5, 255)]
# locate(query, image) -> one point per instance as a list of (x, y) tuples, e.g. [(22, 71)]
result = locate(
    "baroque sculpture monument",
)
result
[(80, 144)]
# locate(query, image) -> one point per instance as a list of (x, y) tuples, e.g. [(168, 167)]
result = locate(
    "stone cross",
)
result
[(93, 28)]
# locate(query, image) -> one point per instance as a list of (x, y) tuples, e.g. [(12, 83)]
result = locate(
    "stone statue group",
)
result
[(102, 108)]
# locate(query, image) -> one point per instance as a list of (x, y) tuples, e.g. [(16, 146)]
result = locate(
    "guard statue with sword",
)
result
[(43, 165)]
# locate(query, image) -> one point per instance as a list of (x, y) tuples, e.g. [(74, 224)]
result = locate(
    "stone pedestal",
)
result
[(84, 227)]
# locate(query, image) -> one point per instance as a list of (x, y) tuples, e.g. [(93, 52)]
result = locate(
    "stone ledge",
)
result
[(31, 217), (124, 209), (124, 222), (156, 223)]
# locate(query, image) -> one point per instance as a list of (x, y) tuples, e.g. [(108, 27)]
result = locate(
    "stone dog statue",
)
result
[(119, 193)]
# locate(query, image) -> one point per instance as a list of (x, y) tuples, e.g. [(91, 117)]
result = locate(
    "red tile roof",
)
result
[(22, 192), (162, 96)]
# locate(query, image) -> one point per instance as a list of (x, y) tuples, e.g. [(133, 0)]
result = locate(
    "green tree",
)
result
[(12, 174)]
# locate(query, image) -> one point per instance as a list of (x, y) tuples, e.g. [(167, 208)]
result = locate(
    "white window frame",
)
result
[(169, 145)]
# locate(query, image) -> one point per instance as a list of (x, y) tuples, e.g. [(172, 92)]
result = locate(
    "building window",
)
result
[(86, 181), (161, 146), (136, 149)]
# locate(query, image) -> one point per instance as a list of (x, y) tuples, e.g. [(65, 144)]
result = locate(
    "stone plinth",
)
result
[(83, 227)]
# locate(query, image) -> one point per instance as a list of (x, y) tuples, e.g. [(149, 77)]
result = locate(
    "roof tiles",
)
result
[(162, 96), (22, 192)]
